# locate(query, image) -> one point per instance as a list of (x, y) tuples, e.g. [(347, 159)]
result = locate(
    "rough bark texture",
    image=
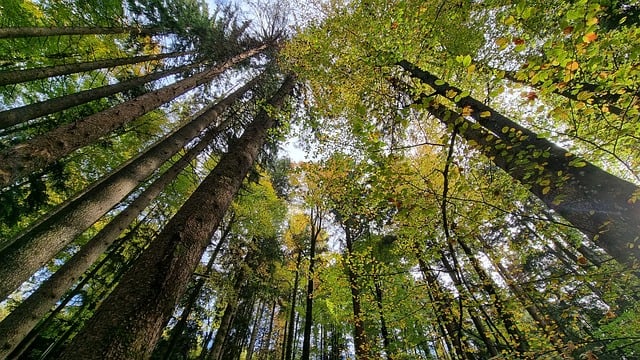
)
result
[(594, 201), (22, 319), (36, 246), (21, 114), (129, 322), (20, 32), (290, 332), (37, 153), (19, 76)]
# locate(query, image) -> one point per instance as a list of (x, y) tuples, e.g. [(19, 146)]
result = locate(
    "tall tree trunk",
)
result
[(130, 321), (361, 343), (316, 226), (488, 286), (21, 114), (288, 353), (254, 330), (22, 319), (178, 329), (597, 203), (19, 337), (20, 76), (464, 294), (386, 339), (36, 246), (441, 302), (227, 319), (20, 32), (41, 151), (265, 345)]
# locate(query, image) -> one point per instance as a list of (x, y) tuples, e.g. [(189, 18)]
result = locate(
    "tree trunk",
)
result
[(130, 321), (288, 354), (386, 339), (18, 337), (178, 329), (487, 284), (265, 345), (226, 321), (20, 32), (360, 340), (35, 247), (22, 319), (599, 204), (441, 302), (41, 151), (20, 76), (316, 224), (21, 114), (254, 331)]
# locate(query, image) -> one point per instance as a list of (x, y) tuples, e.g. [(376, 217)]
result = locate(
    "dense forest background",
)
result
[(470, 189)]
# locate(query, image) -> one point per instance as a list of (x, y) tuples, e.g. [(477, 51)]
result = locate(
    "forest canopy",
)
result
[(470, 190)]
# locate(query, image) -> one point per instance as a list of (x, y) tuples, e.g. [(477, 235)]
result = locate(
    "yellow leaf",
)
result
[(485, 114), (471, 69), (592, 21), (451, 94), (573, 66), (467, 110), (546, 190), (590, 37)]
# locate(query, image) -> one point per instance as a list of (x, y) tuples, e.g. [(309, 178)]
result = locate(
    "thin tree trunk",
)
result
[(20, 76), (442, 308), (487, 284), (24, 113), (316, 224), (225, 325), (35, 247), (265, 345), (254, 331), (20, 32), (41, 151), (360, 340), (594, 201), (386, 339), (288, 354), (130, 321)]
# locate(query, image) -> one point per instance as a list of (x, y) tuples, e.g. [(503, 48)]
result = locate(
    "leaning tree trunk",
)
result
[(37, 153), (20, 76), (24, 113), (129, 322), (21, 32), (601, 205), (35, 247)]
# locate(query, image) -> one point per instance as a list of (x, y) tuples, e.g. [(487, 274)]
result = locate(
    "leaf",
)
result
[(485, 114), (573, 66), (451, 93), (589, 37), (466, 61), (546, 190)]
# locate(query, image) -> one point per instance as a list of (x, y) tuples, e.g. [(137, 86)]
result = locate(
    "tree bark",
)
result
[(20, 32), (129, 323), (316, 224), (35, 247), (361, 343), (288, 353), (597, 203), (254, 330), (178, 329), (20, 76), (22, 114), (37, 153)]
